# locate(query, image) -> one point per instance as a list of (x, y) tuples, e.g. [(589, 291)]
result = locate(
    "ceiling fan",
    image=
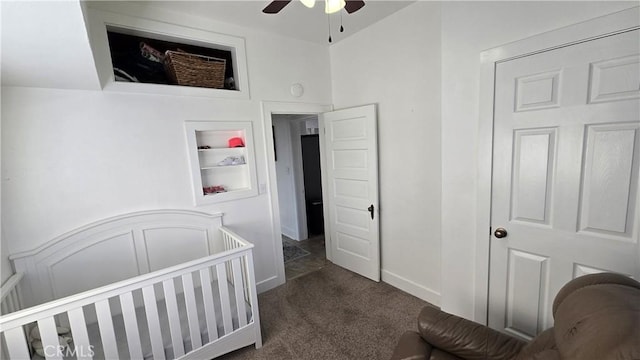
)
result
[(331, 6)]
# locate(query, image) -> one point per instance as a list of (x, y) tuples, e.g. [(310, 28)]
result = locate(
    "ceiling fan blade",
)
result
[(275, 6), (353, 5)]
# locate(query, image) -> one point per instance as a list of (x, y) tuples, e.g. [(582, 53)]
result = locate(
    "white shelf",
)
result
[(217, 167), (226, 149), (228, 192), (239, 180)]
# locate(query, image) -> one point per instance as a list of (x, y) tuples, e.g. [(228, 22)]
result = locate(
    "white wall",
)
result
[(286, 180), (467, 29), (5, 270), (55, 60), (5, 265), (395, 63), (70, 157)]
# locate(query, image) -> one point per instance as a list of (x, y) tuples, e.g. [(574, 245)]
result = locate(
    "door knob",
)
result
[(370, 208), (500, 233)]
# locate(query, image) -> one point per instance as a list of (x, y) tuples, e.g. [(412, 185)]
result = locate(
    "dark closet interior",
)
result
[(312, 183)]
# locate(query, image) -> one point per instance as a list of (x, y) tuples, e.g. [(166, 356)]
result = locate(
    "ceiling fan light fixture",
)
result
[(308, 3), (332, 6)]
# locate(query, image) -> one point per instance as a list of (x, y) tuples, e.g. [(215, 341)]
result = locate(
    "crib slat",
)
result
[(192, 311), (9, 301), (227, 244), (80, 335), (224, 297), (14, 299), (49, 337), (174, 317), (20, 296), (16, 344), (238, 289), (131, 325), (16, 295), (209, 310), (153, 319), (105, 324), (245, 278), (4, 308)]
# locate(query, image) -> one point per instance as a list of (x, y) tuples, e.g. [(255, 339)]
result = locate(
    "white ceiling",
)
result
[(295, 20)]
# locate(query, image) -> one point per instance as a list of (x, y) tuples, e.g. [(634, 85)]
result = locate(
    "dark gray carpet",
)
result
[(332, 313)]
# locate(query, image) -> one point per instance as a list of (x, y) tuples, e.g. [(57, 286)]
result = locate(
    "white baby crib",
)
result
[(178, 304)]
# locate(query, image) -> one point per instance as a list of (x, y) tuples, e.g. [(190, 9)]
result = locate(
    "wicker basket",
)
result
[(188, 69)]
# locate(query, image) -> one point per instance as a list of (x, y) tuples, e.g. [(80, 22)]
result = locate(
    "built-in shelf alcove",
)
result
[(222, 159)]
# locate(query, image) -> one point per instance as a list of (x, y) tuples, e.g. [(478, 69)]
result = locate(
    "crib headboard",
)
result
[(115, 249)]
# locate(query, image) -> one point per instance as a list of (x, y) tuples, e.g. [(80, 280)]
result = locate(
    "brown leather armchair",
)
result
[(596, 317)]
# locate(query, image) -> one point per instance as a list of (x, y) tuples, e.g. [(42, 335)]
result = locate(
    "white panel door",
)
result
[(351, 176), (565, 176)]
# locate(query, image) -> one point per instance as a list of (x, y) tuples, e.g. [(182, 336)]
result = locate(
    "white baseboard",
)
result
[(269, 283), (289, 232), (406, 285), (411, 287)]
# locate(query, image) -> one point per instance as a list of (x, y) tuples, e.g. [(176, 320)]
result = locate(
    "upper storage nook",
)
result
[(149, 60), (136, 54)]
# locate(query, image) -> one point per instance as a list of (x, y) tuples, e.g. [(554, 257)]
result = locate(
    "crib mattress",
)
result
[(143, 328)]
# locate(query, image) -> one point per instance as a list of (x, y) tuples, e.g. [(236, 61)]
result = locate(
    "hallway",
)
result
[(305, 263)]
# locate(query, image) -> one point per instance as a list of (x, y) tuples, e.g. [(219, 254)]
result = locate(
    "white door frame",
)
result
[(269, 108), (607, 25)]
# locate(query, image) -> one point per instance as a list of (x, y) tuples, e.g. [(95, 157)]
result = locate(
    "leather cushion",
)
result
[(599, 322), (438, 354), (465, 338), (550, 354), (591, 279), (540, 344), (411, 347)]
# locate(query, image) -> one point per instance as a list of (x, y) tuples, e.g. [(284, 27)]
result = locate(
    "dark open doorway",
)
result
[(299, 181), (312, 183)]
